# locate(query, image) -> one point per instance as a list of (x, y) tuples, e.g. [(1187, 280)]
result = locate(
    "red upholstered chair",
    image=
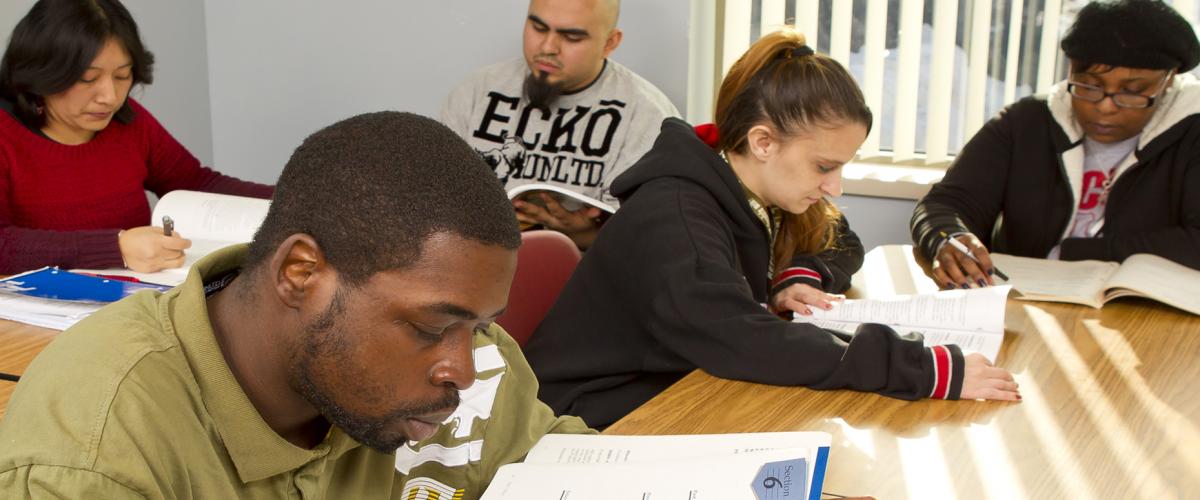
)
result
[(545, 261)]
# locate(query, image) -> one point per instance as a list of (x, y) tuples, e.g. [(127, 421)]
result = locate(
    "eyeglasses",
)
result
[(1091, 93)]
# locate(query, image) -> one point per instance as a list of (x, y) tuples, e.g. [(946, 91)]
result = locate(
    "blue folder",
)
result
[(54, 283)]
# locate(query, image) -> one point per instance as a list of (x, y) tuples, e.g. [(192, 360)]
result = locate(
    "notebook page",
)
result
[(1079, 282), (1160, 279)]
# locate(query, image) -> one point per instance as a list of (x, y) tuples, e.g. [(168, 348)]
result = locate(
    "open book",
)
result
[(570, 200), (726, 466), (1093, 282), (211, 221), (973, 319)]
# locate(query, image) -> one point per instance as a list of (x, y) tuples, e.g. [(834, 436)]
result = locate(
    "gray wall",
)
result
[(174, 31), (878, 221), (281, 69)]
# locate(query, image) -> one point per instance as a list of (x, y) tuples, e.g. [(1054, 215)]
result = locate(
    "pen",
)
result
[(168, 225), (958, 245), (129, 279)]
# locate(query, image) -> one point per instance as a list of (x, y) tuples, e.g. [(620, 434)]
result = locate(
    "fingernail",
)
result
[(966, 286), (991, 272), (1018, 397), (982, 283)]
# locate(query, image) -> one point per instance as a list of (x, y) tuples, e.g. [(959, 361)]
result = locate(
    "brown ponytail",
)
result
[(780, 81)]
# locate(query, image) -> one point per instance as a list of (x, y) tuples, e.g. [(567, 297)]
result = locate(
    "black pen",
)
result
[(966, 251), (168, 225)]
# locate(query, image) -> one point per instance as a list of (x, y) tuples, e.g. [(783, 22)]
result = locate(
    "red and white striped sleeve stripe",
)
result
[(943, 372), (798, 272)]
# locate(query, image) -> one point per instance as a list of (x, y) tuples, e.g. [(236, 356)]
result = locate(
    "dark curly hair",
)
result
[(373, 188), (54, 44)]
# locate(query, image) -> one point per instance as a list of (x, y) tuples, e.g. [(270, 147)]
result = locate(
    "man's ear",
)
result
[(760, 141), (298, 269), (613, 41)]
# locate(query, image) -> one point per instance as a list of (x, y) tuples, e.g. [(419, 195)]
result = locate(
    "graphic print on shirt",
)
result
[(566, 146), (1091, 201), (467, 421), (428, 489)]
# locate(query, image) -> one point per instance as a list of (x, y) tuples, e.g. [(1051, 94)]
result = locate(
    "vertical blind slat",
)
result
[(737, 32), (873, 60), (1012, 58), (772, 16), (807, 12), (1048, 55), (839, 31), (977, 66), (908, 74), (941, 79)]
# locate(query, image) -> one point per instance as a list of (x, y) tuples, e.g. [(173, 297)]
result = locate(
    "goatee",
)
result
[(540, 93)]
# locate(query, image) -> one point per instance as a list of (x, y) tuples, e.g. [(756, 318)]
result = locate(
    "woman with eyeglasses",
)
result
[(77, 153), (1105, 166)]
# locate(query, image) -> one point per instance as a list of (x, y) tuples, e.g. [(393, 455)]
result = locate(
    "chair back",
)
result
[(545, 261)]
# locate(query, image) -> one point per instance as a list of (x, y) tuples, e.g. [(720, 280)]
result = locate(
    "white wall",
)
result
[(278, 70), (174, 31), (281, 69)]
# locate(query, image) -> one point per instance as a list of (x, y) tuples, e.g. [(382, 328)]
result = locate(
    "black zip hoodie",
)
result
[(677, 280)]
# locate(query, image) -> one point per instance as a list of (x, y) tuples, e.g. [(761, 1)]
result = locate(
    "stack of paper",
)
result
[(754, 466), (53, 298), (973, 319)]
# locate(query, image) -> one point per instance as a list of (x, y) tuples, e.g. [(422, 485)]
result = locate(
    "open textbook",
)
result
[(973, 319), (756, 466), (211, 221), (570, 200), (1093, 282)]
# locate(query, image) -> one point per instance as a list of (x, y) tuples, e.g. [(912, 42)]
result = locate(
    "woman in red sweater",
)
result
[(77, 154)]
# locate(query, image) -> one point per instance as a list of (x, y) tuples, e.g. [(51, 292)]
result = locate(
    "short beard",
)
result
[(323, 341), (540, 93)]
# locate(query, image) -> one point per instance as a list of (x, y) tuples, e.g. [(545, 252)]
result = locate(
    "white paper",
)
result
[(973, 319), (725, 477), (1080, 282), (606, 449), (1160, 279), (53, 314)]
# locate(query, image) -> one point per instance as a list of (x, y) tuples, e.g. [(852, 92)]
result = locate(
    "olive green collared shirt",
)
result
[(137, 401)]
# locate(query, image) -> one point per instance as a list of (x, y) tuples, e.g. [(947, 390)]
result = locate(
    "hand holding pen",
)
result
[(150, 249), (963, 262)]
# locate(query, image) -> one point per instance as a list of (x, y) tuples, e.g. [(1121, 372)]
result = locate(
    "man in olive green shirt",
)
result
[(348, 352)]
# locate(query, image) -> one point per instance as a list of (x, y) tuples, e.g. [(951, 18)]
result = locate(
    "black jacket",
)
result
[(677, 280), (1017, 182)]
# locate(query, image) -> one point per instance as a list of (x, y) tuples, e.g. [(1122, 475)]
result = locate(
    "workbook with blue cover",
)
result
[(56, 284)]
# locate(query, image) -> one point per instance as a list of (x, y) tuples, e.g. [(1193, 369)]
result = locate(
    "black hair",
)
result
[(53, 45), (373, 188), (1146, 34)]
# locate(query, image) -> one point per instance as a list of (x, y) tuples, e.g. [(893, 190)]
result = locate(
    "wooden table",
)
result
[(1110, 409), (19, 344)]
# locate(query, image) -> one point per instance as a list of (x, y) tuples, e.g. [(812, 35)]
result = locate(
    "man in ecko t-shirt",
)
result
[(564, 114)]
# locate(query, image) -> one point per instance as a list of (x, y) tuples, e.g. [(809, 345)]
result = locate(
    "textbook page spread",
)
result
[(211, 221), (1094, 283), (973, 319), (570, 200), (726, 466)]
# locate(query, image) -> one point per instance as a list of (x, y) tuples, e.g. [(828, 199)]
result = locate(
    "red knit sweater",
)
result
[(64, 205)]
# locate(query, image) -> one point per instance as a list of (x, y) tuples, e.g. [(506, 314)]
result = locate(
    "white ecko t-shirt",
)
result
[(588, 138)]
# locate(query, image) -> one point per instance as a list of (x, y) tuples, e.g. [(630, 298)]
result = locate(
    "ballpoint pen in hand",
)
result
[(958, 245)]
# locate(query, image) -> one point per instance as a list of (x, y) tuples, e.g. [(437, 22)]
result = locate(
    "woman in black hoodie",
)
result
[(682, 276)]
